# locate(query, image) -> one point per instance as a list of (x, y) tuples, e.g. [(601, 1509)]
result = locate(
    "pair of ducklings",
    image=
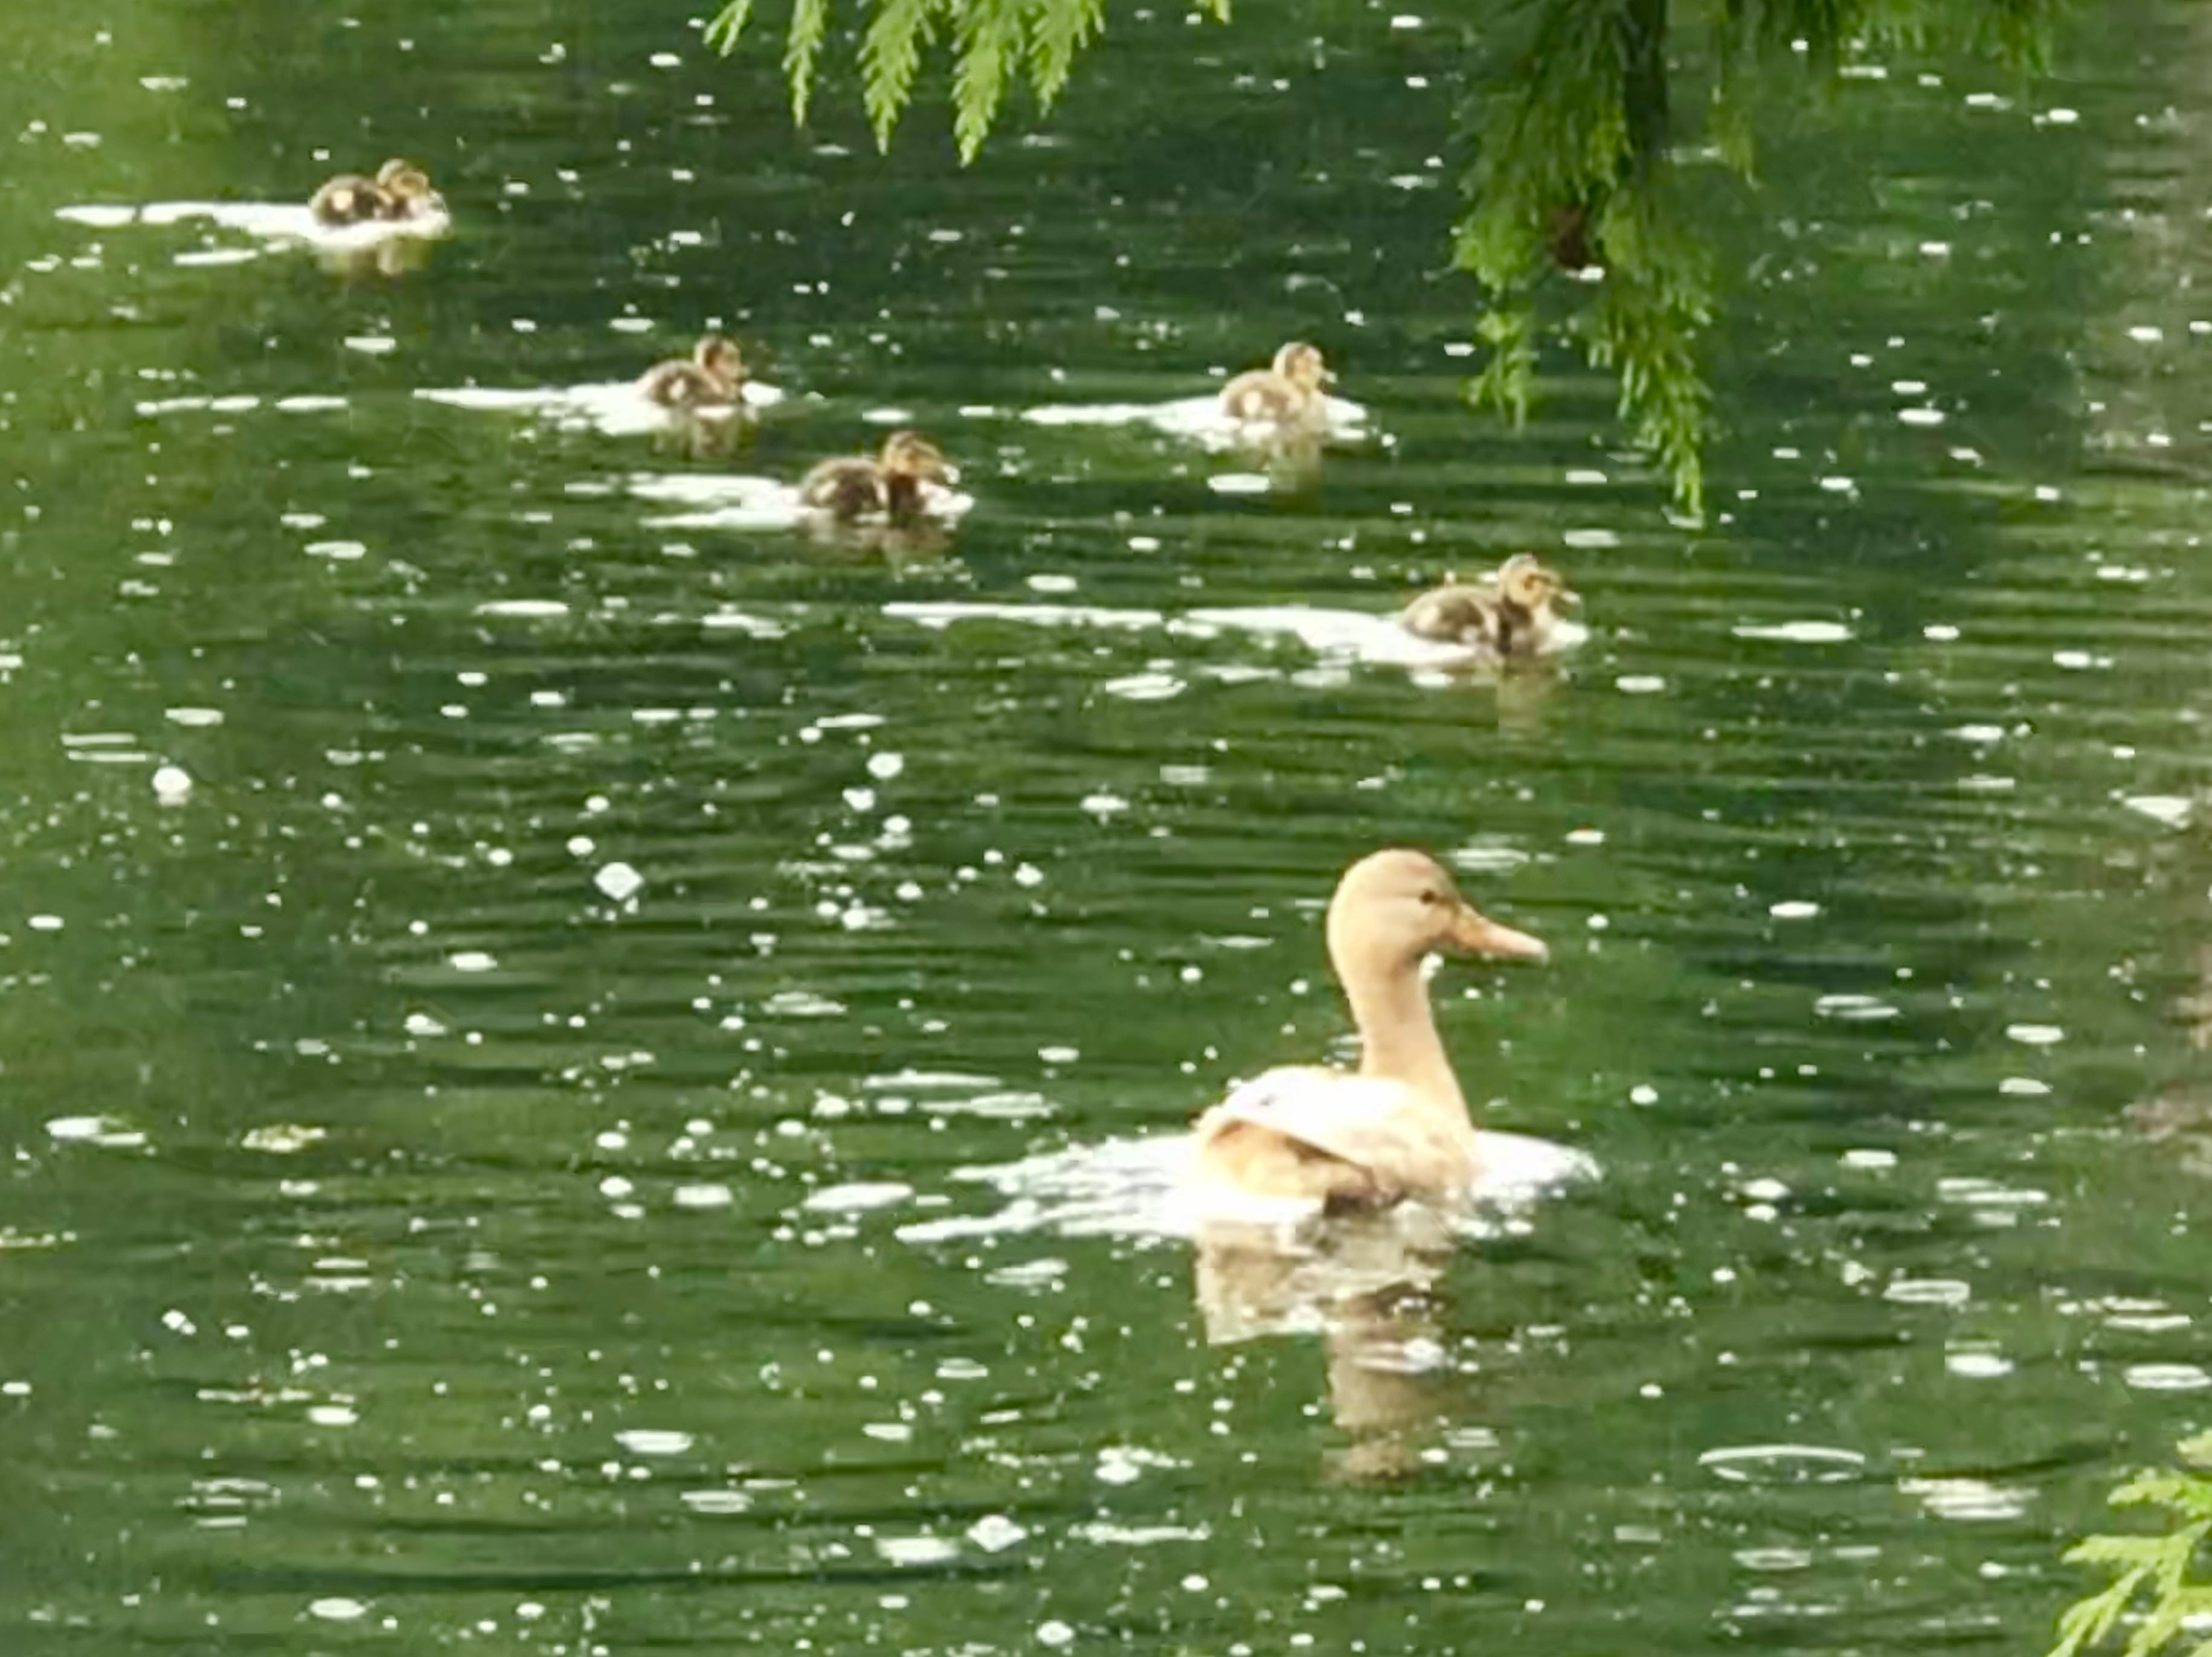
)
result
[(846, 488), (399, 192), (1511, 616)]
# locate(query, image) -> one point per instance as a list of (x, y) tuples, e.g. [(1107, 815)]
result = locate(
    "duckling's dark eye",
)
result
[(1432, 897)]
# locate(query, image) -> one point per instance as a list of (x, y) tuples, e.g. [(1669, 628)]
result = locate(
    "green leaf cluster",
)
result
[(1575, 169), (2152, 1570), (1578, 133), (994, 45)]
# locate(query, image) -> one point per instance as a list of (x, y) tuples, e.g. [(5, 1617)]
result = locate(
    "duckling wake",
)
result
[(277, 223)]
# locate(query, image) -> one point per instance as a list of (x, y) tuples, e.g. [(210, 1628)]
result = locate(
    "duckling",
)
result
[(713, 377), (852, 487), (1511, 616), (1288, 393), (400, 190)]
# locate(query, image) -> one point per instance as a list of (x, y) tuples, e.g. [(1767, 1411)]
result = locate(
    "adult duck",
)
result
[(1398, 1129), (1512, 617)]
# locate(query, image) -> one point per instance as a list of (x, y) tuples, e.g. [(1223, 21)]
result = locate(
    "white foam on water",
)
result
[(277, 221), (1142, 1188), (1201, 419), (733, 502)]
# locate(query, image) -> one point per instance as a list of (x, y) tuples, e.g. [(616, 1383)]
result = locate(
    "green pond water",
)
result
[(417, 1234)]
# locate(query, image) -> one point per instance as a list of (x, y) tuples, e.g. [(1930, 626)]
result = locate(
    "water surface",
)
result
[(487, 1160)]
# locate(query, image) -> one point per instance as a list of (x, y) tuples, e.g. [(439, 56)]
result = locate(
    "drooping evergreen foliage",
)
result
[(995, 43), (1577, 226), (2152, 1575)]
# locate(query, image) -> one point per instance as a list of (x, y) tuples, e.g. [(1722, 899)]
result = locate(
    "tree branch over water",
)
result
[(2152, 1588), (1578, 226), (995, 42)]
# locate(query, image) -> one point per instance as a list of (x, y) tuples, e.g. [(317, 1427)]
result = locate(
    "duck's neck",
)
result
[(1398, 1037)]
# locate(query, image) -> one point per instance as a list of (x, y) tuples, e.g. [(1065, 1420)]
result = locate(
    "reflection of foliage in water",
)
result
[(1575, 167), (2157, 1565)]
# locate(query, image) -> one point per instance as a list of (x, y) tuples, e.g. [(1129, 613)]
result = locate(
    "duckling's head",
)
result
[(404, 182), (717, 357), (911, 455), (1302, 364), (1393, 906), (1524, 579)]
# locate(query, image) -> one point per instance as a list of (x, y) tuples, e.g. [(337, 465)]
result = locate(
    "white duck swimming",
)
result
[(1399, 1128)]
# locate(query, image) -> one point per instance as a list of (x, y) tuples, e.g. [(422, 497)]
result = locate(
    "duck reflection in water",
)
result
[(704, 435), (1365, 1283), (903, 541), (388, 256)]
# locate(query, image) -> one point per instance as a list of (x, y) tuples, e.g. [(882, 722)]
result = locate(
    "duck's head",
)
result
[(1524, 579), (1302, 364), (1392, 908), (407, 183), (717, 357), (909, 454)]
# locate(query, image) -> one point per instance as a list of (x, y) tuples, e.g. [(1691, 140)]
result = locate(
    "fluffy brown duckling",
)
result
[(1513, 615), (1399, 1128), (400, 190), (852, 487), (712, 377), (1288, 393)]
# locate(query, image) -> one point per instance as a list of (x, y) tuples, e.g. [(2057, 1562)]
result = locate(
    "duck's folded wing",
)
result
[(1352, 1117)]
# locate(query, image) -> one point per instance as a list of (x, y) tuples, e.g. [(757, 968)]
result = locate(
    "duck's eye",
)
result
[(1432, 897)]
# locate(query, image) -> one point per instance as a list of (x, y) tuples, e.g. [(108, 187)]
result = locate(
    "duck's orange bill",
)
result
[(1478, 934)]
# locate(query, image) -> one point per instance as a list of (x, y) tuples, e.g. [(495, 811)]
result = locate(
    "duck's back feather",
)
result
[(1453, 614), (679, 385), (349, 198), (1261, 395), (848, 487), (1344, 1139)]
